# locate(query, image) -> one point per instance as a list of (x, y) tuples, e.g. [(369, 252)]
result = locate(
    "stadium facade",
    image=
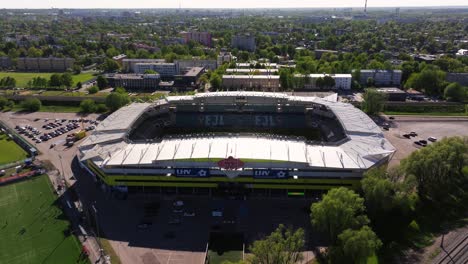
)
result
[(235, 143)]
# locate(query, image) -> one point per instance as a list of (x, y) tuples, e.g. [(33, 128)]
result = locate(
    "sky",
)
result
[(222, 3)]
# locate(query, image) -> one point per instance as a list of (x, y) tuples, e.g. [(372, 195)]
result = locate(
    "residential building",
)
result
[(342, 81), (243, 71), (254, 63), (224, 57), (119, 58), (128, 64), (148, 82), (243, 42), (458, 77), (254, 82), (45, 64), (189, 79), (203, 38), (381, 77), (185, 64), (5, 62), (165, 69)]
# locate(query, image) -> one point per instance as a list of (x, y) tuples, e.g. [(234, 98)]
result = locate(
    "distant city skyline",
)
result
[(31, 4)]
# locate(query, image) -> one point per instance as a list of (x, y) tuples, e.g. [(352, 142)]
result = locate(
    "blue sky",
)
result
[(221, 3)]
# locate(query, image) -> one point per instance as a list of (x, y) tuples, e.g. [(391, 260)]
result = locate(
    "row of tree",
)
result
[(56, 80)]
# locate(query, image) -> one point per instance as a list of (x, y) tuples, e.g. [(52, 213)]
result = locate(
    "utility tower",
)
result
[(365, 8)]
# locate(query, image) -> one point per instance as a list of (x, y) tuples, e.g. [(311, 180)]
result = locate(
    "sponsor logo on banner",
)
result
[(270, 174), (192, 172), (230, 163)]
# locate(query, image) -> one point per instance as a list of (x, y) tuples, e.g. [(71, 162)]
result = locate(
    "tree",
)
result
[(55, 80), (356, 246), (102, 82), (76, 69), (116, 100), (373, 101), (339, 210), (88, 106), (440, 172), (31, 104), (93, 89), (370, 82), (3, 102), (215, 81), (328, 81), (110, 65), (66, 80), (431, 81), (150, 72), (79, 85), (455, 92), (283, 246), (8, 82)]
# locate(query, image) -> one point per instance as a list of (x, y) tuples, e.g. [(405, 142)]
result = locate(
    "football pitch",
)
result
[(10, 151), (33, 229)]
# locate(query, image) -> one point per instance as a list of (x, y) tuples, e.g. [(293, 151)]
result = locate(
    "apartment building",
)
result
[(243, 42), (45, 64), (342, 81), (5, 63), (203, 38), (252, 82), (185, 64), (224, 57), (381, 77)]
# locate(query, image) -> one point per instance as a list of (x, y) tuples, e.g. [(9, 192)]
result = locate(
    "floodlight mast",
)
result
[(365, 8)]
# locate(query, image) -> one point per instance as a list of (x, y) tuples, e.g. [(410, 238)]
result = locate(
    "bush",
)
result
[(3, 102), (93, 89), (116, 100), (101, 108), (31, 104), (88, 106)]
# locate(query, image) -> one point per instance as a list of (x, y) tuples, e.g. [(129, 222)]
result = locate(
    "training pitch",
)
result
[(10, 151), (33, 229)]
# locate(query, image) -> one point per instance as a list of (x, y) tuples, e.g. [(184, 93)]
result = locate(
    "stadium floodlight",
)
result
[(295, 177)]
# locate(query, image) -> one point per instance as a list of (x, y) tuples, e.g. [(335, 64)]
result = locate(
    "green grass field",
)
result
[(51, 108), (32, 227), (22, 78), (10, 151)]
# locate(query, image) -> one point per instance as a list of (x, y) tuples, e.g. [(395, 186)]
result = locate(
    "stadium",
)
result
[(236, 143)]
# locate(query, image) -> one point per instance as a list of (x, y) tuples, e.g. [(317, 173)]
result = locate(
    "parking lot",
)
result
[(424, 127)]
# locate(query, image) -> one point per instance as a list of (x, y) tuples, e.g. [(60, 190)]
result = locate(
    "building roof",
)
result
[(251, 76)]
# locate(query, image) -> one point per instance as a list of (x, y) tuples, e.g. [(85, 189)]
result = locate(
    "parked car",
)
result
[(413, 134), (174, 221), (178, 203), (432, 139), (422, 141), (189, 214), (406, 136), (217, 213)]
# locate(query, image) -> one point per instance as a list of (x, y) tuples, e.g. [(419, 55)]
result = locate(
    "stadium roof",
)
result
[(363, 147)]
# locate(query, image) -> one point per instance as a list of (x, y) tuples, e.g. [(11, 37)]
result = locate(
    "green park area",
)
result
[(10, 151), (32, 226), (22, 78)]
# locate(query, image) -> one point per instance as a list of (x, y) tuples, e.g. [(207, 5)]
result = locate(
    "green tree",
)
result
[(102, 82), (339, 210), (55, 80), (215, 81), (440, 171), (373, 102), (31, 104), (283, 246), (3, 102), (110, 65), (328, 81), (455, 92), (356, 246), (88, 106), (150, 72), (66, 80), (116, 100), (431, 81), (93, 89), (370, 82)]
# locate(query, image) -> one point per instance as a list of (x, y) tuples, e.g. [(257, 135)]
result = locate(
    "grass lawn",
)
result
[(32, 227), (10, 151), (426, 113), (22, 78)]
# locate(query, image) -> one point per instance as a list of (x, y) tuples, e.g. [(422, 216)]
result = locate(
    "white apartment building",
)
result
[(342, 81)]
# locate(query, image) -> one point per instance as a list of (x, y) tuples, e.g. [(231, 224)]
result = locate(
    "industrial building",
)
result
[(129, 64), (149, 82), (240, 143), (165, 69)]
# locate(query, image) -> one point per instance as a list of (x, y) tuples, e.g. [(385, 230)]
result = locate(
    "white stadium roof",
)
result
[(364, 147)]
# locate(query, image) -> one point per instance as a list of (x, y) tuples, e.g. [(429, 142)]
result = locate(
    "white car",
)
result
[(432, 139), (217, 213), (178, 203)]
